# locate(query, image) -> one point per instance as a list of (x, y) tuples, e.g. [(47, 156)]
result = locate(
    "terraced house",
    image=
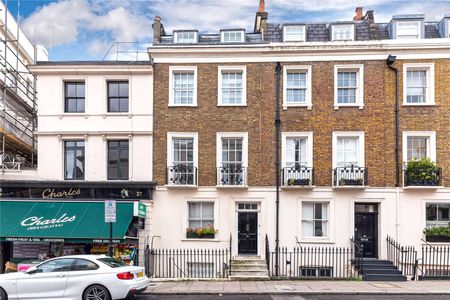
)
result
[(332, 135)]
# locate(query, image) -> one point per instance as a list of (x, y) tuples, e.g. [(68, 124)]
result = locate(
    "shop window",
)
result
[(118, 160)]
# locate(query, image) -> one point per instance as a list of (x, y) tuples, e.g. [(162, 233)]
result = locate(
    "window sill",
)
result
[(297, 187), (337, 106), (423, 187), (316, 241), (419, 104), (181, 186), (239, 187), (80, 114), (182, 105), (231, 105), (307, 105), (215, 240), (117, 114), (350, 187)]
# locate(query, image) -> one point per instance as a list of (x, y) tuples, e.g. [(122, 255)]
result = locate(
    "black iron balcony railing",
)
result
[(182, 174), (232, 174), (351, 175), (297, 175), (431, 176)]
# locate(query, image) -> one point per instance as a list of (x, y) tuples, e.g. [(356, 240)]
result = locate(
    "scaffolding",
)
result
[(18, 105)]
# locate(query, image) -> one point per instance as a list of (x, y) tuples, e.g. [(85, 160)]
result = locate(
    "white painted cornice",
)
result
[(91, 69)]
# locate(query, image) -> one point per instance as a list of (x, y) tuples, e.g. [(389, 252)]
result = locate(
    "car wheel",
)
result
[(96, 292), (3, 295)]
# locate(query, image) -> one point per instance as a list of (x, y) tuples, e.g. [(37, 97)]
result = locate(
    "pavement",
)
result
[(311, 287)]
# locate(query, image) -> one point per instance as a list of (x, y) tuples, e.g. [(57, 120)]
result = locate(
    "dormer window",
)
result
[(232, 36), (294, 33), (408, 30), (185, 37), (343, 32)]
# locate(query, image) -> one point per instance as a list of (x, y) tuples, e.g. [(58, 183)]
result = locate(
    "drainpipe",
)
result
[(390, 62), (277, 167)]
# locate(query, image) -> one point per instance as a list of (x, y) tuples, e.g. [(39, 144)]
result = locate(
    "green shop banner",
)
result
[(61, 221)]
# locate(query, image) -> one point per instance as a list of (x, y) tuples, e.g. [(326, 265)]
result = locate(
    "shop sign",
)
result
[(106, 241), (34, 222), (140, 210), (32, 239), (110, 211)]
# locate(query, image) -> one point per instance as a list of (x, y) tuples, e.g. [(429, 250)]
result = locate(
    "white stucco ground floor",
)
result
[(314, 217)]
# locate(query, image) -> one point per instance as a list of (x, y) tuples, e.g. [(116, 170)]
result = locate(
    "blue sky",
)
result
[(86, 29)]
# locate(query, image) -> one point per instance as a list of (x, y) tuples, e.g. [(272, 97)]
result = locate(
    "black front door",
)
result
[(366, 232), (247, 232)]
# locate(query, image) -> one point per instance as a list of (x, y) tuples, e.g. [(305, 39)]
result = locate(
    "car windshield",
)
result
[(112, 262)]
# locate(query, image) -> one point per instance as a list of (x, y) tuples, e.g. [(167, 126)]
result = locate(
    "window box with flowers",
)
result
[(205, 232), (437, 234)]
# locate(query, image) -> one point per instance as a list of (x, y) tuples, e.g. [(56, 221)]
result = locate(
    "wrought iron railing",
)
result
[(402, 257), (358, 254), (314, 262), (351, 175), (232, 174), (434, 263), (267, 252), (297, 176), (182, 174), (423, 177), (190, 263)]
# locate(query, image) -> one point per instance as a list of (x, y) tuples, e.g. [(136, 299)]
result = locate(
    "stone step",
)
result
[(249, 273), (248, 278), (247, 258), (384, 277), (248, 263), (381, 271), (249, 267)]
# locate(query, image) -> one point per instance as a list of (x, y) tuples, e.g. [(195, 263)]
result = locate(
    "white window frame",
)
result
[(185, 218), (308, 95), (201, 219), (222, 36), (171, 136), (336, 26), (177, 33), (359, 68), (429, 68), (242, 69), (330, 228), (419, 29), (308, 135), (175, 69), (437, 203), (294, 38), (361, 151), (221, 135), (431, 148)]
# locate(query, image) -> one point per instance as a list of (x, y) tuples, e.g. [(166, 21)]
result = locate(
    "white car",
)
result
[(85, 277)]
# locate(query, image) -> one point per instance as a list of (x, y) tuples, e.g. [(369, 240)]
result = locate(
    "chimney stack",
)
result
[(261, 21), (158, 30), (359, 14), (262, 6), (370, 19)]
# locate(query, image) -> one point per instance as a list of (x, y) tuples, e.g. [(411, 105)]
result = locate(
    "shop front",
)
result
[(37, 223)]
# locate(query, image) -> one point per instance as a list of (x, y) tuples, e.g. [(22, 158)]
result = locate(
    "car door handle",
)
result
[(61, 275)]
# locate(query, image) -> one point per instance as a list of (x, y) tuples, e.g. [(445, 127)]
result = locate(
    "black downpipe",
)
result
[(390, 61), (277, 167)]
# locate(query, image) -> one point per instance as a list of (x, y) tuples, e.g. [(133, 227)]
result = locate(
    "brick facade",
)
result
[(376, 119)]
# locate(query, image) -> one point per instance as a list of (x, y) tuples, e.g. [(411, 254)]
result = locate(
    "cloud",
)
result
[(57, 23), (69, 21)]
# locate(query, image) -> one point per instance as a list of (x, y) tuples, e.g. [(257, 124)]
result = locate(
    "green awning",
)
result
[(61, 221)]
